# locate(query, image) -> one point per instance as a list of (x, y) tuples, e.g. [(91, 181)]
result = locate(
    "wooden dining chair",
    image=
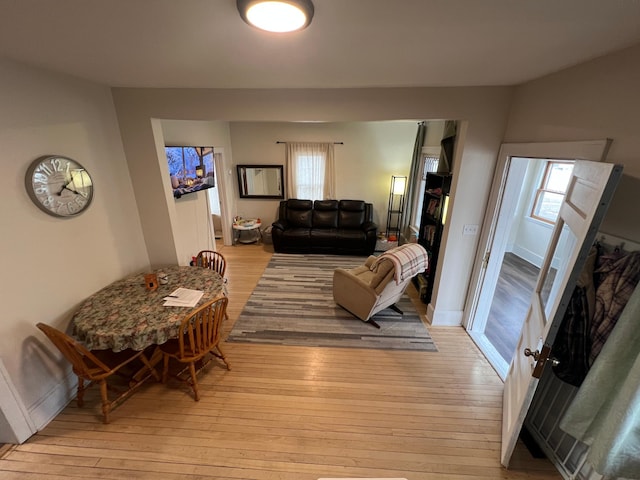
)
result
[(198, 343), (214, 261), (95, 366)]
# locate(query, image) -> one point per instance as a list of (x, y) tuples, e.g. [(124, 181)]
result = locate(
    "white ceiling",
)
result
[(350, 43)]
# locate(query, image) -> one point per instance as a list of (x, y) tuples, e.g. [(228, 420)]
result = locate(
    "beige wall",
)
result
[(49, 264), (380, 149), (595, 100)]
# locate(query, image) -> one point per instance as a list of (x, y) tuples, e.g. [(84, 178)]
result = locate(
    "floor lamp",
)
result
[(396, 207)]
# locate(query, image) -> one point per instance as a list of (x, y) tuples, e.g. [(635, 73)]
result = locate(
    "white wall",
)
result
[(596, 100), (529, 237), (49, 264)]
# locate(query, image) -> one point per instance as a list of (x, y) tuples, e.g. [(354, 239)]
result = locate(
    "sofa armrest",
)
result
[(369, 227), (280, 224)]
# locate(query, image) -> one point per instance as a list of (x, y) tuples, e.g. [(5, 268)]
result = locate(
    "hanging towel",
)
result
[(605, 413)]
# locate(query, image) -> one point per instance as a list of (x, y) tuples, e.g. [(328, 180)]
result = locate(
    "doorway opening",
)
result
[(515, 236), (216, 202), (533, 191)]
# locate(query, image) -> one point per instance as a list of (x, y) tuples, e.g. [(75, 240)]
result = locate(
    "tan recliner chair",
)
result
[(364, 292)]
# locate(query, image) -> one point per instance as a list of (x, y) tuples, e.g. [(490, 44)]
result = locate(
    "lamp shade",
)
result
[(276, 15), (398, 185)]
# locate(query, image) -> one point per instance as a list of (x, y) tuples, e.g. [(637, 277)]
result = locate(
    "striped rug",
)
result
[(293, 305)]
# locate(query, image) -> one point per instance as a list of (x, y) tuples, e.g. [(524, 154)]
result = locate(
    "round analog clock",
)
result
[(59, 186)]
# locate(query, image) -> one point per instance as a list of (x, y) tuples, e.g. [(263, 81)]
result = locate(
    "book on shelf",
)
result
[(429, 233), (432, 206)]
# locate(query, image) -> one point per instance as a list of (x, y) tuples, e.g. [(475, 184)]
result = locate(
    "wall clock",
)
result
[(59, 186)]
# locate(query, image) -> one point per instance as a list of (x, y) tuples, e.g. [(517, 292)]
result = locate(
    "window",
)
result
[(429, 164), (551, 190), (310, 176), (310, 171)]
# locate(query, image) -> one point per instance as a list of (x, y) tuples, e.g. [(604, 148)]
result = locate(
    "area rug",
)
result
[(293, 305)]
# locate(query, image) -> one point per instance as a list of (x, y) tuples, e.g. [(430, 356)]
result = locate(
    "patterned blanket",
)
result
[(408, 259)]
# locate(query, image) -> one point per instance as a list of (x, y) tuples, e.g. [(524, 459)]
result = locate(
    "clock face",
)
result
[(59, 186)]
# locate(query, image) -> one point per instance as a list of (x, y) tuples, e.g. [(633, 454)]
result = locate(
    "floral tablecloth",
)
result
[(126, 315)]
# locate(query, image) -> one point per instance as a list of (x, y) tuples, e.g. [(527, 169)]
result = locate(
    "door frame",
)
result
[(594, 150), (223, 197)]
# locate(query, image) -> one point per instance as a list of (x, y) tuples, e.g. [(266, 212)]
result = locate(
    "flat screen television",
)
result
[(190, 169)]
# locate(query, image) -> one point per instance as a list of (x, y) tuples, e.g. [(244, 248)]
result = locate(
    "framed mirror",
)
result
[(261, 181)]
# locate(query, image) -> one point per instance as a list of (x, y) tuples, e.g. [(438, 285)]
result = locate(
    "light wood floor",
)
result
[(293, 413)]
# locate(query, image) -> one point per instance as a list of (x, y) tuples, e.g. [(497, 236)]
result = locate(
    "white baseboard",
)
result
[(53, 402), (527, 255), (17, 425), (451, 318)]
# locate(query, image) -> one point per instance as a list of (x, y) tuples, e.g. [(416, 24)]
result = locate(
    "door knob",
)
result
[(529, 353), (540, 357)]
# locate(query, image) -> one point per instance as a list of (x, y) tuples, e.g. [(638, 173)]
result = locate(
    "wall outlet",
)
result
[(470, 230)]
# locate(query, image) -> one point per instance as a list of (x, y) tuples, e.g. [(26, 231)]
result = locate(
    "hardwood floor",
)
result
[(511, 299), (293, 413)]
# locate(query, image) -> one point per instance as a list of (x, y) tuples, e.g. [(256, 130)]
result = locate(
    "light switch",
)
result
[(470, 230)]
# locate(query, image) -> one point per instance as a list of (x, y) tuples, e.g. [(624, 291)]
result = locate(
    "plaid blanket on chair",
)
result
[(408, 259)]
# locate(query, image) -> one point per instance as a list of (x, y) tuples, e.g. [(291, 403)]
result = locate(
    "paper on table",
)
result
[(183, 297)]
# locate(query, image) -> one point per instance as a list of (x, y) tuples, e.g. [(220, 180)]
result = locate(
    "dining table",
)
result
[(127, 315)]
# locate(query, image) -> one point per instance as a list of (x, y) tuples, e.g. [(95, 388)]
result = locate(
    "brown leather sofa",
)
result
[(343, 227)]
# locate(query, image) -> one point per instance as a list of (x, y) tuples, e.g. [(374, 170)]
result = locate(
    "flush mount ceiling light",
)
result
[(276, 15)]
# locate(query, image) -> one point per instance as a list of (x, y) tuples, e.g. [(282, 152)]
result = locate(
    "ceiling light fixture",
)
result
[(276, 15)]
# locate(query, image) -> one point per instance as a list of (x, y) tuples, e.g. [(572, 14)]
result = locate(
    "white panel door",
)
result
[(590, 190)]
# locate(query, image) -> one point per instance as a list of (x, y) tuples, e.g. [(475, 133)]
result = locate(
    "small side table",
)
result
[(250, 231)]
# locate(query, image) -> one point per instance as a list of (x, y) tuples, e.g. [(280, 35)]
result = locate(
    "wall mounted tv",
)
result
[(190, 169)]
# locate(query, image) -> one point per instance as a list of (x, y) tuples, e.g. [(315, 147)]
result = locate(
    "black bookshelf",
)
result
[(433, 216)]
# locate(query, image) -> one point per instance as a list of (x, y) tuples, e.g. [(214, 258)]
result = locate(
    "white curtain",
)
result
[(310, 171)]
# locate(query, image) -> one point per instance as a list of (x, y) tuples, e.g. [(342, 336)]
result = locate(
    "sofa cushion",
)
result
[(324, 237), (325, 214), (297, 237), (299, 213), (352, 214), (350, 238)]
